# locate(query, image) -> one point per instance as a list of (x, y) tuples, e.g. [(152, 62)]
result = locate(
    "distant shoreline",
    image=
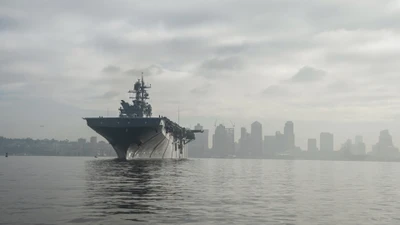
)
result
[(264, 158)]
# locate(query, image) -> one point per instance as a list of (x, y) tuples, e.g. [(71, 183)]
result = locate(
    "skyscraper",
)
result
[(230, 132), (81, 141), (221, 142), (288, 132), (244, 143), (312, 145), (326, 142), (359, 146), (385, 147), (347, 147), (206, 136), (256, 139), (93, 140), (385, 138), (243, 133), (279, 142), (358, 139), (198, 147), (269, 145)]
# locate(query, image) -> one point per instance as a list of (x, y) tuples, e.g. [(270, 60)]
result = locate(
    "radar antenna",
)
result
[(140, 106)]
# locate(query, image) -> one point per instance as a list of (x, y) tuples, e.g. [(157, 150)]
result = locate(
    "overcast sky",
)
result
[(326, 65)]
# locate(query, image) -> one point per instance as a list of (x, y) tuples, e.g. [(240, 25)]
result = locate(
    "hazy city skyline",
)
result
[(254, 141), (250, 145), (327, 66)]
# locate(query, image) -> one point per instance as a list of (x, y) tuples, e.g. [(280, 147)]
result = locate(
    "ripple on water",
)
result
[(208, 191)]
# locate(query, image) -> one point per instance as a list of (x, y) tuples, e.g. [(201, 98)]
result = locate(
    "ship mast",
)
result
[(140, 106)]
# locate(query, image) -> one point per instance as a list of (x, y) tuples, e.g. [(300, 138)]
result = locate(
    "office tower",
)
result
[(358, 139), (221, 148), (243, 133), (269, 145), (326, 142), (198, 147), (359, 146), (279, 142), (93, 140), (256, 139), (312, 145), (230, 135), (385, 139), (288, 132), (347, 147), (81, 141), (385, 147), (244, 143)]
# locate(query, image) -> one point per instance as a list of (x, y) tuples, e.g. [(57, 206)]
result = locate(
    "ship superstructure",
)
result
[(136, 134)]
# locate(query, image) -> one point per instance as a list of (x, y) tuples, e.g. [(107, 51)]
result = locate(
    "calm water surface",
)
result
[(62, 190)]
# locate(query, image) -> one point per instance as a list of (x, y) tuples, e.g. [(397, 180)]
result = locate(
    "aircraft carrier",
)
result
[(136, 134)]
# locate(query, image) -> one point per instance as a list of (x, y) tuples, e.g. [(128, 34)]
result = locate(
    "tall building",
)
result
[(312, 145), (359, 146), (81, 141), (221, 140), (358, 139), (237, 149), (347, 147), (93, 140), (244, 143), (385, 139), (198, 147), (279, 143), (256, 139), (206, 136), (326, 142), (269, 145), (243, 133), (81, 145), (385, 147), (356, 148), (288, 132), (230, 132)]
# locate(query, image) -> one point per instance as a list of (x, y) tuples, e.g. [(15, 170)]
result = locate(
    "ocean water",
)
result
[(68, 190)]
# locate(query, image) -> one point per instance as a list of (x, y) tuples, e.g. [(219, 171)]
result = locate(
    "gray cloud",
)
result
[(201, 90), (111, 69), (176, 18), (12, 77), (54, 52), (276, 91), (151, 48), (308, 74), (8, 23), (109, 95), (147, 71), (230, 63), (229, 49), (336, 15), (220, 67), (341, 86), (362, 57)]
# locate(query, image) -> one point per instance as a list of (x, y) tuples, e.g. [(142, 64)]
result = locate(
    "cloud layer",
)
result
[(235, 60)]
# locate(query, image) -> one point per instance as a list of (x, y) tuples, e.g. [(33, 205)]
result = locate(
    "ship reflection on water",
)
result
[(131, 189)]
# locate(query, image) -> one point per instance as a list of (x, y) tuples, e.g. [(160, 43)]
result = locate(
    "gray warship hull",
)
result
[(135, 138)]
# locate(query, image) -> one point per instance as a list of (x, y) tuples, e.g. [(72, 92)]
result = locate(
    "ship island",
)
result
[(135, 134)]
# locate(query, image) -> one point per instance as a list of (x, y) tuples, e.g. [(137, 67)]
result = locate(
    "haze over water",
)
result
[(55, 190)]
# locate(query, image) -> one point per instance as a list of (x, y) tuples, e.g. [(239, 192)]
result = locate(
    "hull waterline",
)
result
[(134, 138)]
